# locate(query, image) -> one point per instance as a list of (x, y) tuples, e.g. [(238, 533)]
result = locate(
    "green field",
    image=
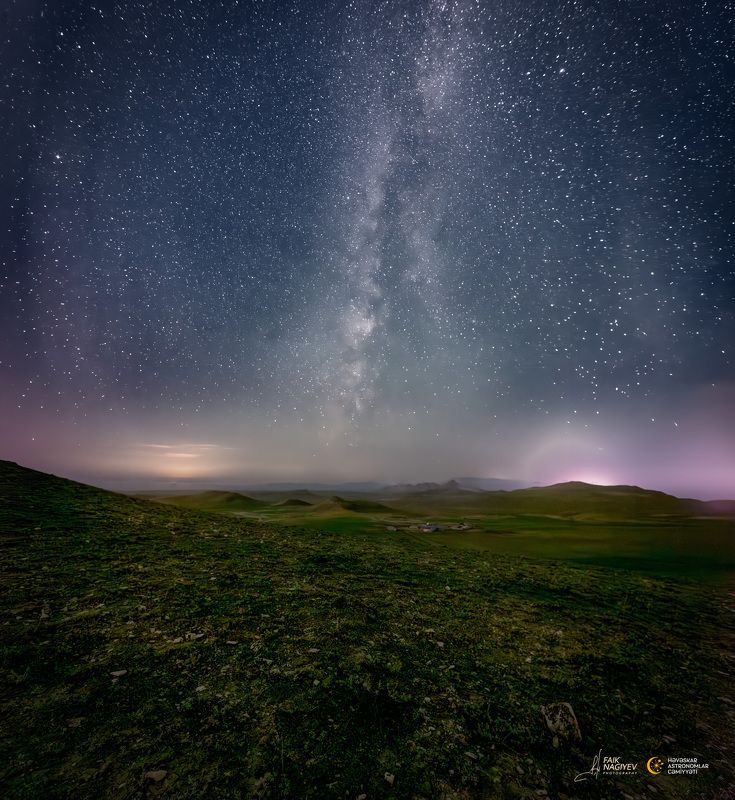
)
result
[(666, 545), (703, 549), (619, 527), (150, 650)]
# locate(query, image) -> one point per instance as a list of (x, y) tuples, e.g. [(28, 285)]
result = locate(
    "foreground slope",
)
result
[(149, 650)]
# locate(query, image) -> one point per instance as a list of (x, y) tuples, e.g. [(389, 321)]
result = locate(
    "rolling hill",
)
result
[(212, 501), (362, 506)]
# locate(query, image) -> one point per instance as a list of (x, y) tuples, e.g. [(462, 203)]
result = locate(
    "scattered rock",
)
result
[(177, 640), (200, 689), (156, 775), (230, 641), (562, 721), (118, 673), (313, 650), (390, 777), (264, 780), (361, 797)]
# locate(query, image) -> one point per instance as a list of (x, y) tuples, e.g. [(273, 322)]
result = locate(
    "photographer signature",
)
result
[(592, 773)]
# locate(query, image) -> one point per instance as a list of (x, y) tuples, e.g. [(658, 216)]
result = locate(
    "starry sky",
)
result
[(397, 241)]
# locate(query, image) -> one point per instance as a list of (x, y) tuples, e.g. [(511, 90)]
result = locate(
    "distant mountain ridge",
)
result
[(571, 499), (481, 484), (493, 484), (312, 486)]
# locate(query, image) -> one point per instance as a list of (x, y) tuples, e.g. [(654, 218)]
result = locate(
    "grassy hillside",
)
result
[(149, 650)]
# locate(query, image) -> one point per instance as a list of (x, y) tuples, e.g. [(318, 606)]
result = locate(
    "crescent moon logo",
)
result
[(654, 765)]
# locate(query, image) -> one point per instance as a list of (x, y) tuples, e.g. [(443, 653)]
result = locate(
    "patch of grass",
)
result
[(248, 660)]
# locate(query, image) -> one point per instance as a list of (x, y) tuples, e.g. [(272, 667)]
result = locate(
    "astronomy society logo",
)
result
[(655, 765)]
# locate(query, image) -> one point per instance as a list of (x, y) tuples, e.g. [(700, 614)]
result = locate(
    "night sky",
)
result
[(248, 241)]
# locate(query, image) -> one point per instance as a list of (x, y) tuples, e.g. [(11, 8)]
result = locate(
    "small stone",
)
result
[(313, 650), (118, 673), (389, 777), (200, 689), (156, 775), (230, 641), (562, 721), (361, 797)]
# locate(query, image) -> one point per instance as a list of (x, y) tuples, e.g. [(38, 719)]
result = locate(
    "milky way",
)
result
[(397, 241)]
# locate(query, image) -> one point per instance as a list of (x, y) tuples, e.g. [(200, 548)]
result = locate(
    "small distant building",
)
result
[(427, 527)]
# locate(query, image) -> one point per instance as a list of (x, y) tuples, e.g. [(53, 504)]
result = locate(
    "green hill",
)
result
[(294, 501), (277, 497), (336, 503), (153, 651), (212, 501)]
